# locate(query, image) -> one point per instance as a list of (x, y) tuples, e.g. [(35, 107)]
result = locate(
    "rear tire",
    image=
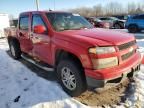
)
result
[(133, 28), (117, 26), (67, 72), (15, 50)]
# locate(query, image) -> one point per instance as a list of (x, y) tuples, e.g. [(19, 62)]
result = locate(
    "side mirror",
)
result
[(39, 29)]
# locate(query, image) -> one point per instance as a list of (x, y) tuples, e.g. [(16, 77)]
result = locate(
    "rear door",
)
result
[(24, 33), (41, 42), (139, 20)]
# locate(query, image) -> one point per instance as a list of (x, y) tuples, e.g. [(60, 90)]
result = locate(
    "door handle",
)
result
[(20, 34), (36, 37)]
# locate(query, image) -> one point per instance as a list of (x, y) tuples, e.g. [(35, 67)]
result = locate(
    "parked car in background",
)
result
[(121, 17), (114, 22), (135, 23), (98, 23), (4, 22)]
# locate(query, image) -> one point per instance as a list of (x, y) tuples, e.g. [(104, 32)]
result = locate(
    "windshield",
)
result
[(67, 21)]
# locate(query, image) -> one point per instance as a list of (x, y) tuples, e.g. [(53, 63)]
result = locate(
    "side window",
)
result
[(24, 21), (37, 20), (142, 17), (103, 18), (138, 17)]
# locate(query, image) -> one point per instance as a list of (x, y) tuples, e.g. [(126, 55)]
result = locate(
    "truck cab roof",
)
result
[(43, 12)]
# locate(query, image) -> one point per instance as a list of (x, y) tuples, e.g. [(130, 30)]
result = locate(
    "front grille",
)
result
[(126, 45), (127, 55)]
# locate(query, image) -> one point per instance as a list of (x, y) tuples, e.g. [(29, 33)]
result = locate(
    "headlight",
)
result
[(105, 63), (101, 50)]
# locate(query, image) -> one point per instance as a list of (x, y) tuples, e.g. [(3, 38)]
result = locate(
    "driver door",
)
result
[(41, 42)]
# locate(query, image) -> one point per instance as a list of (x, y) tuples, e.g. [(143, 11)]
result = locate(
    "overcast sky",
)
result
[(14, 7)]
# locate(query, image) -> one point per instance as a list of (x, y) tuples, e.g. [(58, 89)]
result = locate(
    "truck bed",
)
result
[(10, 31)]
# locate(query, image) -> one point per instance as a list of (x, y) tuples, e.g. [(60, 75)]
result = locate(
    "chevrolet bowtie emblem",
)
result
[(131, 49)]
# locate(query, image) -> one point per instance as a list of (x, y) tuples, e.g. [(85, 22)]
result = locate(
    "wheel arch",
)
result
[(62, 54), (133, 25)]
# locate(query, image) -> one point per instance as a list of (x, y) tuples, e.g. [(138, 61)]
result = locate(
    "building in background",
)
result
[(4, 23)]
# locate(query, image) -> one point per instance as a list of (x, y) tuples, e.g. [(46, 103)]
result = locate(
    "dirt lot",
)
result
[(109, 97)]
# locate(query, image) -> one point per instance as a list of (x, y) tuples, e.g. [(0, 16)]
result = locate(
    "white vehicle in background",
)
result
[(4, 23)]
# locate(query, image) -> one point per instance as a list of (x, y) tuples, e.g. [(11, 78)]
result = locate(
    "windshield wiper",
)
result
[(75, 28), (80, 28)]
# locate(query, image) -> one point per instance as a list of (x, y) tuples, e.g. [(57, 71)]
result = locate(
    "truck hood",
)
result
[(110, 36)]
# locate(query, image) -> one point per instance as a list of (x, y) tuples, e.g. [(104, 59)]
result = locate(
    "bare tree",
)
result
[(131, 8), (98, 10), (84, 11), (112, 8)]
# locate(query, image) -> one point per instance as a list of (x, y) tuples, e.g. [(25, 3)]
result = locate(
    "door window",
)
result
[(37, 20), (142, 17), (24, 23), (139, 17), (103, 18)]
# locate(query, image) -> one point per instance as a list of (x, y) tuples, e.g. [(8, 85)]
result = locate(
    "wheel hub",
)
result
[(68, 78)]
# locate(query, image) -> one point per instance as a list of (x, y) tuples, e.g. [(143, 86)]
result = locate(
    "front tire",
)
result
[(71, 78), (133, 29), (15, 50)]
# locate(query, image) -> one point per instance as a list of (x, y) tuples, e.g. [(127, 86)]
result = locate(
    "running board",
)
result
[(36, 64)]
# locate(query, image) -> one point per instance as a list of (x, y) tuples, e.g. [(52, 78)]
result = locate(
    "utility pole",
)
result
[(54, 4), (37, 4)]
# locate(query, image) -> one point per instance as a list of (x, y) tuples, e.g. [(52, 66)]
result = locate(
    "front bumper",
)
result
[(99, 78)]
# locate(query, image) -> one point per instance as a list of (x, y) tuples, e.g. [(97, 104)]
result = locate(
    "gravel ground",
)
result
[(110, 97)]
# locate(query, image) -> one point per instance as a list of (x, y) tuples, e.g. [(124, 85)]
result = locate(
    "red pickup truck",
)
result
[(81, 55)]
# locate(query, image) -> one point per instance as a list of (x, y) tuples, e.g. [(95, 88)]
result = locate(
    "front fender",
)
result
[(80, 52)]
